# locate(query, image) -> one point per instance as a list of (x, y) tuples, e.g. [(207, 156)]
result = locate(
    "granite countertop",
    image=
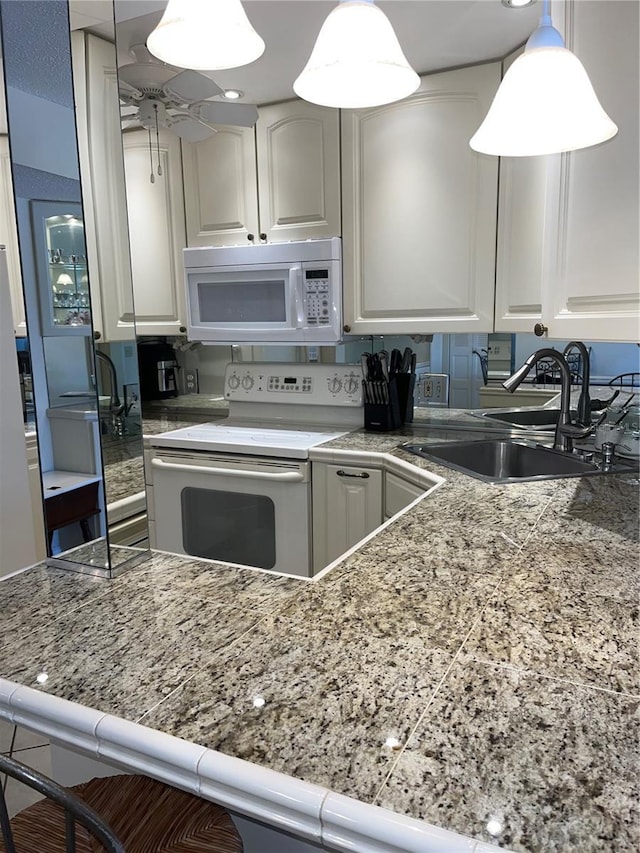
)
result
[(122, 460), (475, 661)]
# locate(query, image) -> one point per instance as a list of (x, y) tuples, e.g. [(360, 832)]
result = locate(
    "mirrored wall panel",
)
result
[(74, 255)]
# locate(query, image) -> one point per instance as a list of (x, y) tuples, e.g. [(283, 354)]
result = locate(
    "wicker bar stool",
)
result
[(144, 815)]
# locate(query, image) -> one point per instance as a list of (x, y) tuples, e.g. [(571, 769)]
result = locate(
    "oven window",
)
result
[(227, 526), (243, 301)]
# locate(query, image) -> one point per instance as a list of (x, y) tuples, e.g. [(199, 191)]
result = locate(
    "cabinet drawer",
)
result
[(71, 506)]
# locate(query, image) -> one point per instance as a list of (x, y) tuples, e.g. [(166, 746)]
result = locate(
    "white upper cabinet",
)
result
[(103, 190), (156, 231), (568, 241), (278, 182), (419, 209), (298, 150), (9, 239), (221, 202)]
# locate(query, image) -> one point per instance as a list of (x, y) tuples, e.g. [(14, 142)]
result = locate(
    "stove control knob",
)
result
[(351, 385), (247, 382), (335, 385), (234, 382)]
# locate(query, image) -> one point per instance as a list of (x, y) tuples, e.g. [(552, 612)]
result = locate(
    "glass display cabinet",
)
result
[(61, 268)]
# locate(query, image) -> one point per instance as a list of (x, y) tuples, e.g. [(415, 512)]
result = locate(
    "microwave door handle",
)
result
[(285, 477), (295, 283)]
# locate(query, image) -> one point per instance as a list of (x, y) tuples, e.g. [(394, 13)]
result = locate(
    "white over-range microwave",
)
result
[(278, 293)]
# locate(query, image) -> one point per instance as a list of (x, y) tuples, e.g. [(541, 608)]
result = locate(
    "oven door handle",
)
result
[(285, 477)]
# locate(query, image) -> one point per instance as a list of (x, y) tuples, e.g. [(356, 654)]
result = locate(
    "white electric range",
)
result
[(239, 490)]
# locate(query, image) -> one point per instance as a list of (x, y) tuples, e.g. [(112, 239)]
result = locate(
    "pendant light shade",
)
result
[(205, 35), (357, 61), (545, 104)]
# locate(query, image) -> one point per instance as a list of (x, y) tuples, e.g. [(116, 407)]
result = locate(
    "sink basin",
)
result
[(526, 418), (506, 461)]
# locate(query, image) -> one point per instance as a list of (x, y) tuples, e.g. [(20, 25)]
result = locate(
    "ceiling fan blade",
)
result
[(190, 86), (189, 129), (128, 93), (216, 112)]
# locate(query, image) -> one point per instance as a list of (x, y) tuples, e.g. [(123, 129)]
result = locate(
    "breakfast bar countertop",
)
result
[(473, 665)]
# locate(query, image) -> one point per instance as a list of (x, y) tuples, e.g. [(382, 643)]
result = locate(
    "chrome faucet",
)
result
[(562, 440), (584, 403), (565, 430), (114, 401)]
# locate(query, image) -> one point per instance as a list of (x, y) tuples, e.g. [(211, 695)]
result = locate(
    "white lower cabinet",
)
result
[(347, 505), (398, 493), (569, 224), (419, 210)]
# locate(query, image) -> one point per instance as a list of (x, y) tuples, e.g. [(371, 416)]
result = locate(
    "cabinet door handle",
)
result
[(251, 237), (361, 476)]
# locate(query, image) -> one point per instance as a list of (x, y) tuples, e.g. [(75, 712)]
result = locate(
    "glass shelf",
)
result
[(65, 299)]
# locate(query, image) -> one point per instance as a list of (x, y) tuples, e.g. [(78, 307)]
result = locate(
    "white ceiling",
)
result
[(434, 34)]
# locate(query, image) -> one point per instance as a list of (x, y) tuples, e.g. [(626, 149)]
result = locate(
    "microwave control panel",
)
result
[(315, 384), (317, 297)]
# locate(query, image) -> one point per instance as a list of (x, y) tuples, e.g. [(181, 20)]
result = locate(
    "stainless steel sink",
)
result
[(506, 461)]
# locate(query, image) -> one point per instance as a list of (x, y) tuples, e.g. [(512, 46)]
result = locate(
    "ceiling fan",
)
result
[(157, 95)]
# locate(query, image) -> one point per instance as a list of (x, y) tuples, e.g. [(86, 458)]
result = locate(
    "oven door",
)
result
[(244, 510)]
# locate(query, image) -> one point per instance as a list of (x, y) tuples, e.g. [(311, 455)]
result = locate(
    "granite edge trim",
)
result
[(290, 804)]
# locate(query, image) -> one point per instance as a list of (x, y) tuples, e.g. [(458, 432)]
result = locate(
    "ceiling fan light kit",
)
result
[(545, 103), (205, 36), (155, 96), (357, 61)]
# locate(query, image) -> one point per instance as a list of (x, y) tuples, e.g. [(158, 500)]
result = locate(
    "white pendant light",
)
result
[(357, 61), (205, 35), (545, 103)]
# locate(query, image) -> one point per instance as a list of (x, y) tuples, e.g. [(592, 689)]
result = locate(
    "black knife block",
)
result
[(387, 417), (399, 409), (406, 383)]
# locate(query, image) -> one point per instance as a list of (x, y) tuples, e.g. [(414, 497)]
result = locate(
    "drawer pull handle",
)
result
[(362, 476)]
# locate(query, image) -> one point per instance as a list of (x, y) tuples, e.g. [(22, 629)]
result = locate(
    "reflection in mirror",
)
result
[(86, 400)]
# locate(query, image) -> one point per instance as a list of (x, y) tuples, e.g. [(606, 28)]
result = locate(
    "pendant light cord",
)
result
[(155, 107)]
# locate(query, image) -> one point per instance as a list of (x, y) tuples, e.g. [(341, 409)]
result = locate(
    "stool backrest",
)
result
[(75, 810)]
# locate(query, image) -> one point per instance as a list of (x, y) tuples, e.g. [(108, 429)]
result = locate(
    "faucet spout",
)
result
[(562, 441), (584, 403), (114, 402)]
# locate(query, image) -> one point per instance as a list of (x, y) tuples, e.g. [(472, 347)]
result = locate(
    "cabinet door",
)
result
[(521, 230), (103, 192), (220, 188), (419, 209), (568, 224), (9, 239), (157, 232), (398, 493), (592, 282), (298, 149), (347, 505)]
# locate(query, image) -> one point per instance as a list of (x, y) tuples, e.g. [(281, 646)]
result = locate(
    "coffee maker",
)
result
[(158, 370)]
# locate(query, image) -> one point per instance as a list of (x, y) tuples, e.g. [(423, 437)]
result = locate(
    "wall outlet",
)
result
[(434, 388), (190, 381)]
